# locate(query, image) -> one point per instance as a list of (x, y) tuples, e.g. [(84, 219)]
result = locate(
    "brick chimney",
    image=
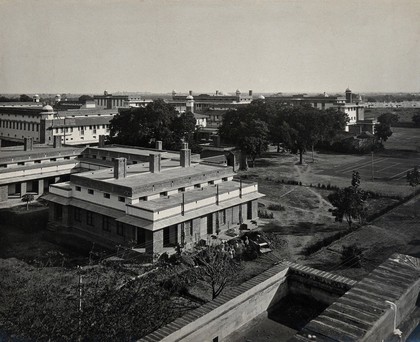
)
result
[(250, 93), (28, 144), (154, 163), (158, 145), (120, 168), (190, 92), (185, 155), (57, 141), (101, 142)]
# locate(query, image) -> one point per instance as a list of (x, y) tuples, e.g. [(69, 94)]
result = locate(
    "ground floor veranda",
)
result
[(104, 227)]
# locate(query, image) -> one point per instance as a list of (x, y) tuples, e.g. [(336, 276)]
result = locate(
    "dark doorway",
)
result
[(210, 224)]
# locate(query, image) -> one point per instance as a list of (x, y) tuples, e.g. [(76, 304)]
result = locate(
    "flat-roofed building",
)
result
[(351, 105), (32, 168), (42, 123), (154, 200)]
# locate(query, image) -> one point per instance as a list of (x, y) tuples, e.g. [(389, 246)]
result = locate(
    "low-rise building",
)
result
[(41, 123), (32, 168), (350, 104), (154, 205)]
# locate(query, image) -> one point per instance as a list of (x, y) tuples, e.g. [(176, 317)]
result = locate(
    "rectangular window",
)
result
[(89, 218), (121, 199), (170, 236), (78, 188), (120, 228), (106, 195), (90, 192), (106, 224), (188, 225), (78, 214)]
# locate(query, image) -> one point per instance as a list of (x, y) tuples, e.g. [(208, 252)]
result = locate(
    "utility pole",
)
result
[(80, 301), (372, 167)]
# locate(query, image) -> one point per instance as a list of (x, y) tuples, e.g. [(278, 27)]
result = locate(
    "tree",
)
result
[(416, 119), (44, 305), (27, 198), (298, 130), (413, 178), (383, 131), (25, 98), (246, 129), (349, 203), (84, 98), (388, 118), (352, 256), (215, 267), (157, 121)]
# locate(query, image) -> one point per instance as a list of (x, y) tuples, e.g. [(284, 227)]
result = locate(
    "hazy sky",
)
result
[(203, 45)]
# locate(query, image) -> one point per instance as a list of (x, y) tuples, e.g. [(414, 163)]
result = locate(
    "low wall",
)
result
[(229, 312)]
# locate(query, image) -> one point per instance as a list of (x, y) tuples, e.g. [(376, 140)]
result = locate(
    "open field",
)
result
[(395, 232), (403, 139), (380, 167), (405, 114)]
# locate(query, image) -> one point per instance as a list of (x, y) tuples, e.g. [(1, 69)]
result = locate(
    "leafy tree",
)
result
[(416, 119), (25, 98), (216, 268), (183, 128), (245, 128), (349, 203), (298, 130), (27, 198), (352, 255), (84, 98), (388, 118), (383, 131), (413, 178), (44, 305), (157, 121)]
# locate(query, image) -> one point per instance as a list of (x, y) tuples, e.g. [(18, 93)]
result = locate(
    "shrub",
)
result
[(351, 256), (276, 207), (265, 214)]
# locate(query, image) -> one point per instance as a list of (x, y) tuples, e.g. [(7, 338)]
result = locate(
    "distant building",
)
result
[(203, 102), (109, 101), (350, 104), (160, 201), (32, 168), (43, 123)]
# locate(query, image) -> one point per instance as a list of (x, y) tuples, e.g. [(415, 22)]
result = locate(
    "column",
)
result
[(40, 186), (22, 189), (157, 242), (4, 193)]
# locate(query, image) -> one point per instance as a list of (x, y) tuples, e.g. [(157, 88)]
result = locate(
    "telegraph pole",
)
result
[(80, 301), (372, 167)]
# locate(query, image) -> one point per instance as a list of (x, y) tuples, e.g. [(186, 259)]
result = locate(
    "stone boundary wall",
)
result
[(231, 310)]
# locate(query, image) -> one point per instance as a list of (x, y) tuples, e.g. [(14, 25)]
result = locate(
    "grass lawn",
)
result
[(405, 114)]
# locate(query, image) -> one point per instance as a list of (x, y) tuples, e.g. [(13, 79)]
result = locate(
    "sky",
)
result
[(75, 46)]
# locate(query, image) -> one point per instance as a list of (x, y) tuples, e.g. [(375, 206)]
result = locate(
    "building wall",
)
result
[(97, 228)]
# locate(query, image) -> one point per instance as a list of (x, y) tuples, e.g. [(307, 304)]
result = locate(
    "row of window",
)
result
[(81, 128), (26, 126), (37, 161), (106, 221), (105, 194), (162, 194)]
